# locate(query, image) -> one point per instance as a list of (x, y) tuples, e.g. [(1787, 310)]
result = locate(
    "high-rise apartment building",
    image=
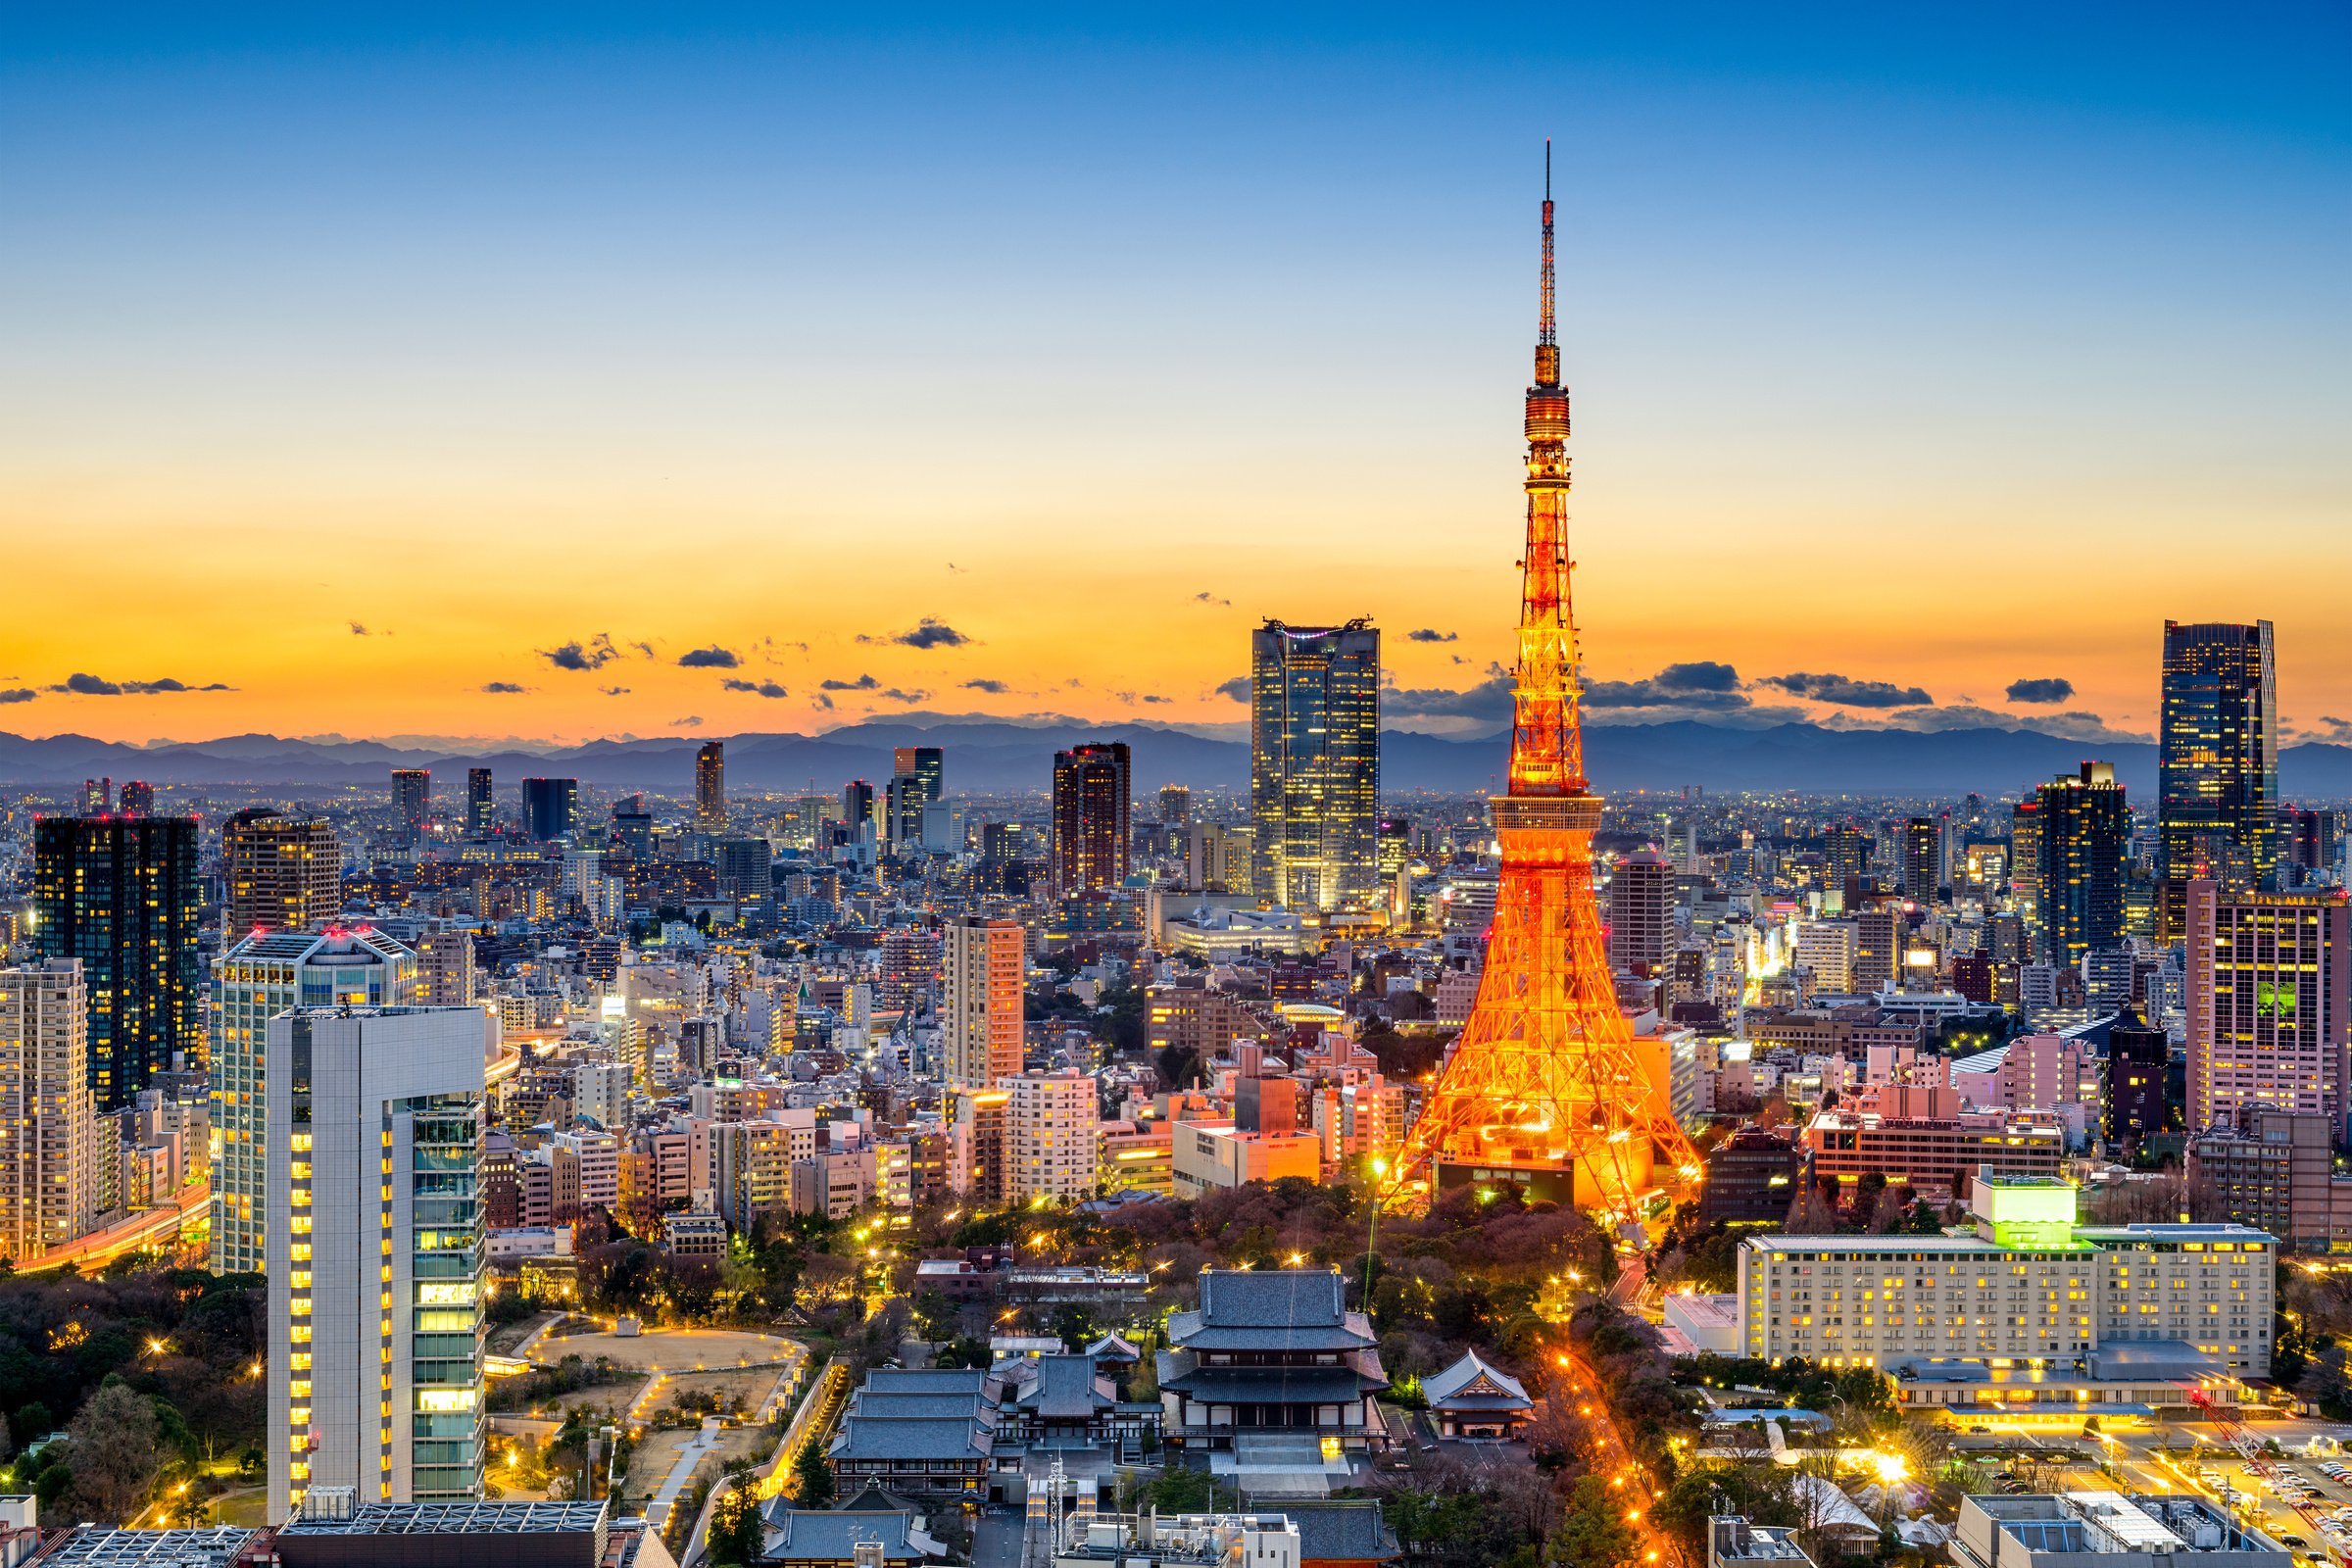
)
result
[(2269, 1000), (481, 812), (981, 966), (1642, 929), (122, 895), (445, 972), (411, 801), (1878, 933), (1844, 852), (1092, 837), (2086, 859), (1824, 949), (2025, 863), (710, 787), (48, 1128), (283, 873), (258, 978), (1923, 860), (1175, 805), (1051, 1125), (373, 1126), (1314, 762), (138, 798), (2218, 764), (549, 805)]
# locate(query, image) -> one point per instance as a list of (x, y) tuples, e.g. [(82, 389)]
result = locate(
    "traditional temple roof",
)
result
[(1471, 1384), (1274, 1309)]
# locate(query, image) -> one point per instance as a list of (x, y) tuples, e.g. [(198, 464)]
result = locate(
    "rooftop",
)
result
[(91, 1548)]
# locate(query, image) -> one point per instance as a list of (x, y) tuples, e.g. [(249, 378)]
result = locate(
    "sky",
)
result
[(582, 370)]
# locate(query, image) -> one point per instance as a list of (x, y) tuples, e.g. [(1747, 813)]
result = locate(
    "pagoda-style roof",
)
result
[(1472, 1383), (1271, 1311)]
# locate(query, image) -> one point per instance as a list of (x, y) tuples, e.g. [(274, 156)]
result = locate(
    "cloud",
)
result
[(994, 688), (358, 630), (1490, 698), (594, 654), (81, 685), (18, 694), (646, 649), (1205, 597), (894, 695), (822, 701), (758, 688), (927, 633), (1236, 690), (1133, 698), (1430, 634), (1845, 690), (690, 721), (863, 683), (710, 657), (506, 688), (1703, 684), (2072, 725), (613, 691), (2052, 689)]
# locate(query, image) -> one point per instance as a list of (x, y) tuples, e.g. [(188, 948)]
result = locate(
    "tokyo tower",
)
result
[(1546, 1087)]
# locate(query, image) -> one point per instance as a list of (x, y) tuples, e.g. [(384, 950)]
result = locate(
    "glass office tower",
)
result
[(1314, 763), (2216, 797)]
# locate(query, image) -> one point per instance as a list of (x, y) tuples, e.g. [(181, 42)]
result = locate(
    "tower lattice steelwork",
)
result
[(1546, 1087)]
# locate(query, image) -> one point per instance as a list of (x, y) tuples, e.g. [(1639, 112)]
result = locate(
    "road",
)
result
[(130, 1234), (1612, 1460), (666, 1497)]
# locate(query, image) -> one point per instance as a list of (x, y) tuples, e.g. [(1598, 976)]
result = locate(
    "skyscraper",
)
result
[(1642, 929), (2218, 764), (1091, 832), (1843, 855), (138, 798), (411, 801), (710, 787), (2085, 857), (122, 895), (2269, 1000), (927, 764), (633, 825), (2025, 863), (480, 810), (374, 1125), (1175, 805), (548, 805), (258, 977), (48, 1149), (1923, 860), (981, 963), (857, 803), (283, 873), (1314, 762)]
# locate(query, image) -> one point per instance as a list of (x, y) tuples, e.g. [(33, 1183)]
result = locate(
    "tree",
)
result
[(1594, 1531), (112, 1447), (937, 1316), (815, 1477), (735, 1534)]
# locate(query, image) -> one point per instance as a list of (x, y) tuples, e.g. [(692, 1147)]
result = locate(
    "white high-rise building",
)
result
[(252, 982), (1826, 947), (48, 1143), (1051, 1136), (372, 1135)]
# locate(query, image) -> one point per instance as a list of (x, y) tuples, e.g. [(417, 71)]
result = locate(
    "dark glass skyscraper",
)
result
[(1314, 763), (2217, 786), (479, 809), (2085, 854), (121, 894), (548, 804)]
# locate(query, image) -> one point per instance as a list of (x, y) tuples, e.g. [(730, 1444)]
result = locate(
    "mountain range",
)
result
[(990, 756)]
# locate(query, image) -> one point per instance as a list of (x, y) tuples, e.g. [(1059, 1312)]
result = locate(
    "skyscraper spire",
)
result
[(1547, 334)]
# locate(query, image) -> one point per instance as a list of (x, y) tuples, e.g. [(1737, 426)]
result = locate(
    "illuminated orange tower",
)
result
[(1546, 1085)]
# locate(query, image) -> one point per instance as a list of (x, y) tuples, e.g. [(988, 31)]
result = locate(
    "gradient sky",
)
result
[(1942, 347)]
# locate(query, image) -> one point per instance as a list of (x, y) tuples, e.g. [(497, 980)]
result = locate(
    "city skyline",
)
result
[(1857, 306)]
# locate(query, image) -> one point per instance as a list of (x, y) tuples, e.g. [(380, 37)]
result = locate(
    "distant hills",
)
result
[(986, 756)]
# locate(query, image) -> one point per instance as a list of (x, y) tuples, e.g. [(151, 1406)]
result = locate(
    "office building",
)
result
[(633, 826), (1641, 928), (548, 806), (1905, 1136), (138, 798), (2269, 981), (258, 977), (373, 1121), (1878, 930), (1314, 763), (2033, 1313), (411, 801), (710, 787), (746, 871), (123, 896), (1050, 1122), (1091, 840), (2064, 1529), (1751, 1179), (481, 812), (1844, 855), (903, 807), (2085, 858), (982, 963), (927, 766), (48, 1127), (281, 873), (2218, 764), (1175, 805), (1825, 949), (2138, 1065)]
